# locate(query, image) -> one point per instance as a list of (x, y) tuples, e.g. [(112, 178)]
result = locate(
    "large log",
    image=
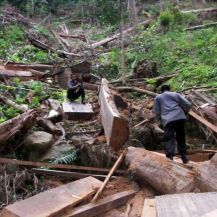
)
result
[(163, 175), (207, 178), (115, 127), (14, 73), (21, 123)]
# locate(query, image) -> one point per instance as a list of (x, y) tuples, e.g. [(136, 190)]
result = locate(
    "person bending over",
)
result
[(171, 108), (75, 89)]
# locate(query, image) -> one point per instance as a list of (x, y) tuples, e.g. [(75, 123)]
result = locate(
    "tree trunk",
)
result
[(163, 175), (21, 123)]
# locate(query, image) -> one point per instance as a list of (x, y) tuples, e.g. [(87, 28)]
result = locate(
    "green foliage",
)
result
[(13, 47), (166, 18), (68, 158)]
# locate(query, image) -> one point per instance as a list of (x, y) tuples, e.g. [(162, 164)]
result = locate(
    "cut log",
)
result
[(201, 26), (115, 127), (23, 66), (163, 175), (54, 202), (206, 180), (14, 73), (102, 206), (136, 89), (56, 166), (77, 111), (21, 123), (116, 36)]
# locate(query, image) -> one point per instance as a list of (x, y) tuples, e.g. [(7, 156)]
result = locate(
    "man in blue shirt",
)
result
[(75, 89), (170, 108)]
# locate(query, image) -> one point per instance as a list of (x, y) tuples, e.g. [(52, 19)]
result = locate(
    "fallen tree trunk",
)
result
[(115, 127), (136, 89), (80, 37), (163, 175), (44, 46), (14, 73), (11, 103), (23, 66), (201, 10), (201, 26), (21, 123), (116, 36)]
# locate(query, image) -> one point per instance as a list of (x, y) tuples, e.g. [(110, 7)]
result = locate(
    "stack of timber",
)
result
[(115, 127), (54, 202)]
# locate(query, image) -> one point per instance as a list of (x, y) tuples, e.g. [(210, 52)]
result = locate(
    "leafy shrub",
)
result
[(166, 18)]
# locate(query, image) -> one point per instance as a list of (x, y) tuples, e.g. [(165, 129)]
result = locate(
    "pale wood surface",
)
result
[(149, 209), (101, 206), (53, 202), (116, 128), (186, 205)]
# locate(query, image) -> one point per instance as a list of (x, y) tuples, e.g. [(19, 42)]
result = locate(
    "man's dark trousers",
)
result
[(75, 94), (175, 132)]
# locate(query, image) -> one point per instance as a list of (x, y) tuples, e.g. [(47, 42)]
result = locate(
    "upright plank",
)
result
[(55, 201), (115, 127), (149, 209)]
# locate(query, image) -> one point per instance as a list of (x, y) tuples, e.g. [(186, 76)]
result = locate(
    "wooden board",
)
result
[(186, 205), (57, 166), (102, 206), (55, 201), (66, 174), (203, 121), (115, 127), (77, 111), (149, 209)]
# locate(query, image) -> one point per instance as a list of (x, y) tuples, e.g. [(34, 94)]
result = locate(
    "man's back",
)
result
[(170, 106)]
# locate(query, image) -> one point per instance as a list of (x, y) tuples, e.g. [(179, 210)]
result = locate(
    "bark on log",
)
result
[(206, 180), (115, 127), (116, 36), (21, 123), (136, 89), (80, 37), (163, 175)]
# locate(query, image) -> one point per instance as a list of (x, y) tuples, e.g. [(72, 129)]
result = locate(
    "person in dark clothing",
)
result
[(75, 89), (171, 108)]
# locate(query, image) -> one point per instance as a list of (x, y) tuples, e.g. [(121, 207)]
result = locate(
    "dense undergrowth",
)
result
[(14, 46), (191, 53), (30, 94)]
